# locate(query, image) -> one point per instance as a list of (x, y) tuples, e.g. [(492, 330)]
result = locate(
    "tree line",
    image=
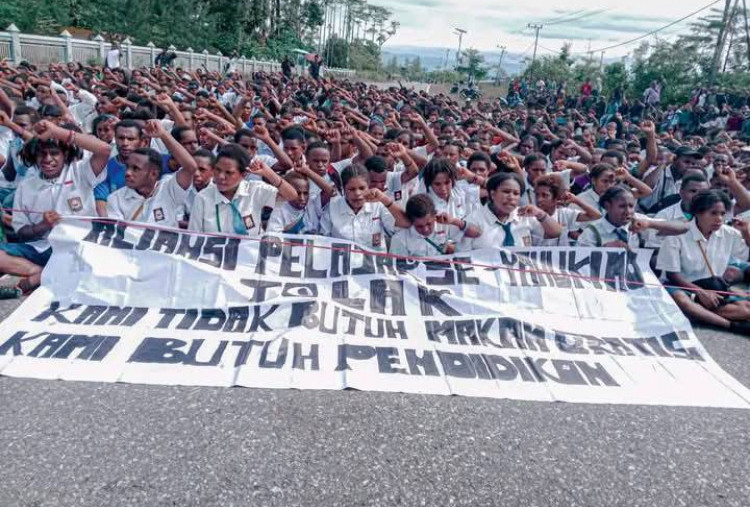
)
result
[(254, 28)]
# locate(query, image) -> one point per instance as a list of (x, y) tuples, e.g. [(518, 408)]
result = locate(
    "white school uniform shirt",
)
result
[(665, 186), (367, 228), (682, 254), (606, 232), (71, 193), (591, 198), (187, 206), (165, 206), (286, 216), (455, 206), (408, 242), (84, 111), (567, 217), (526, 231), (212, 212), (472, 195), (672, 213)]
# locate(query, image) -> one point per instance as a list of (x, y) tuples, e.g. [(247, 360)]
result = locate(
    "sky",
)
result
[(586, 24)]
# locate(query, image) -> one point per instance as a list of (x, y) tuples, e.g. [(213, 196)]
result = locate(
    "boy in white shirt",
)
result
[(431, 233), (145, 197), (69, 165), (302, 216)]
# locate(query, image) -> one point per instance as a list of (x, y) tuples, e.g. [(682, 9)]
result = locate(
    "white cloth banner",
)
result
[(126, 304)]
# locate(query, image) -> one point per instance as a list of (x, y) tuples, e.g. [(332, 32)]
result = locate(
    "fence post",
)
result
[(221, 66), (15, 43), (205, 58), (102, 51), (128, 44), (243, 60), (152, 48), (191, 55), (68, 56)]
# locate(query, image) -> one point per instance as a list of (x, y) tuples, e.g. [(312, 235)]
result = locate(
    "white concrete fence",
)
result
[(41, 50)]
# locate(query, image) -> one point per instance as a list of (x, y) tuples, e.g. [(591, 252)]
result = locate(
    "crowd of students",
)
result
[(392, 170)]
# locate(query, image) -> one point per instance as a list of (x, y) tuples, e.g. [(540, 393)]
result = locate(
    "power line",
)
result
[(653, 31), (584, 15), (555, 20)]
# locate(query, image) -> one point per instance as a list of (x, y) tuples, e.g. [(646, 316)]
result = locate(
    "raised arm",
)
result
[(184, 176), (286, 191), (375, 195), (100, 150)]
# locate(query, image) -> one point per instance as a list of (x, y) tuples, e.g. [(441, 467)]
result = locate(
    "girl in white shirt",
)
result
[(233, 204), (552, 198), (503, 223), (605, 176), (440, 177), (697, 260), (362, 215), (621, 226)]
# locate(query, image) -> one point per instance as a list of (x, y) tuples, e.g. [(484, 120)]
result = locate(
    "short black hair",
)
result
[(693, 177), (613, 193), (354, 171), (376, 164), (204, 153), (600, 168), (706, 199), (419, 206), (154, 158), (236, 153), (293, 134), (479, 156), (438, 166), (178, 131), (499, 178), (243, 133), (130, 124)]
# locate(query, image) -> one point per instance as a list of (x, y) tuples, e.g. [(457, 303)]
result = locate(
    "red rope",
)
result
[(141, 225)]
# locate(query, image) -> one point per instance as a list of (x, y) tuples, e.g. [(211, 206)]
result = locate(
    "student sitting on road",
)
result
[(431, 233), (233, 204), (697, 260), (302, 215), (68, 165), (146, 197)]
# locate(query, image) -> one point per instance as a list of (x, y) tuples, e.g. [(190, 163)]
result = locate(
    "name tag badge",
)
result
[(75, 204), (249, 222), (158, 214), (376, 238), (527, 241), (397, 195)]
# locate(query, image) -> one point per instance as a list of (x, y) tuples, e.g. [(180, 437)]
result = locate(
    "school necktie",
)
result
[(238, 223), (508, 240), (621, 234)]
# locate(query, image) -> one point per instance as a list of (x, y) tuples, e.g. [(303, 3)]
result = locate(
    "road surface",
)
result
[(89, 444)]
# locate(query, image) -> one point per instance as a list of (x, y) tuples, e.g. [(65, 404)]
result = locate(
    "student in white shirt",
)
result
[(553, 198), (69, 165), (147, 198), (605, 176), (440, 177), (680, 212), (233, 204), (363, 214), (318, 159), (480, 164), (302, 216), (620, 227), (696, 261), (202, 178), (392, 183), (431, 233), (503, 223)]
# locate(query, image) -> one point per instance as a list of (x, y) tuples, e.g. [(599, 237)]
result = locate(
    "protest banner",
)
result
[(126, 304)]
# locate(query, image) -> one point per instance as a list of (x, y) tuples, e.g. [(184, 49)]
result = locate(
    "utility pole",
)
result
[(601, 61), (720, 42), (500, 64), (460, 32), (536, 27)]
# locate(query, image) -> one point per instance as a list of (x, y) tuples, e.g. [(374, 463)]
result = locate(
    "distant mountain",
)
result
[(434, 58)]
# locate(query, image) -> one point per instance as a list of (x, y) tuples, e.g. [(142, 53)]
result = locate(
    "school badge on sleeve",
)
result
[(75, 204)]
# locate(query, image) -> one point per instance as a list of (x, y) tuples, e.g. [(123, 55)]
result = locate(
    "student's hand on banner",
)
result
[(51, 218)]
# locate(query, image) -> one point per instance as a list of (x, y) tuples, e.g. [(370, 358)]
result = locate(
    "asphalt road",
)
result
[(89, 444)]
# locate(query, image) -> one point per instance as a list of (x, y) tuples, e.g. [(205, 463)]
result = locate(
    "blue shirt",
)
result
[(116, 177)]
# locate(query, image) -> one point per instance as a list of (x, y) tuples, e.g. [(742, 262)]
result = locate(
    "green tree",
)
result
[(473, 65)]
